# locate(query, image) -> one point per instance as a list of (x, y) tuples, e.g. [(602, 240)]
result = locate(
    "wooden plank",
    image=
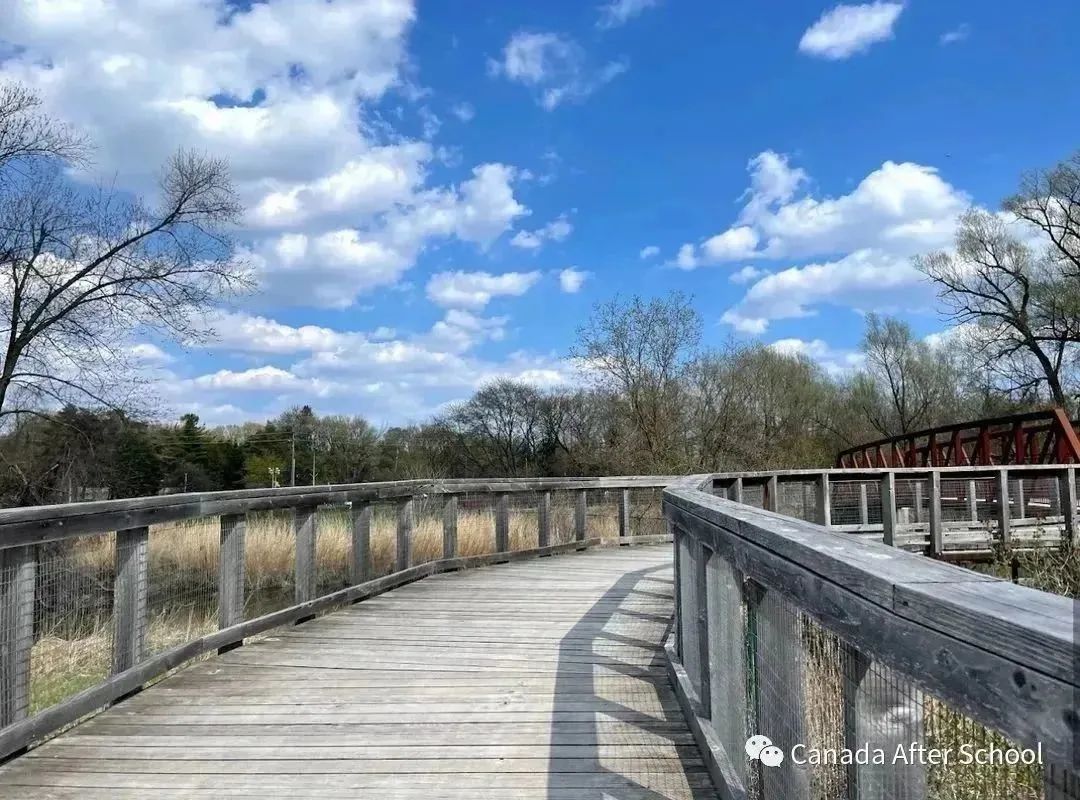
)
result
[(450, 527), (580, 515), (403, 551), (1004, 523), (936, 543), (233, 529), (888, 507), (822, 500), (624, 514), (727, 658), (18, 573), (305, 523), (130, 592)]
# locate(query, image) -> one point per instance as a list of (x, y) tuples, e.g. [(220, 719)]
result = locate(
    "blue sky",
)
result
[(437, 196)]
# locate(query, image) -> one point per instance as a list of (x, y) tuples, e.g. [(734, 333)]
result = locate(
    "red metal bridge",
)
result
[(1037, 437)]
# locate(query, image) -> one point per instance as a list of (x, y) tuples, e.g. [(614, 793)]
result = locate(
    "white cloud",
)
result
[(957, 34), (619, 12), (732, 244), (262, 379), (464, 111), (650, 251), (847, 30), (747, 274), (555, 231), (571, 280), (476, 289), (686, 259), (554, 66), (865, 278), (150, 354), (834, 362)]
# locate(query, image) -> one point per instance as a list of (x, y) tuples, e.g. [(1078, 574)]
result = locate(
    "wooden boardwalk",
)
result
[(538, 679)]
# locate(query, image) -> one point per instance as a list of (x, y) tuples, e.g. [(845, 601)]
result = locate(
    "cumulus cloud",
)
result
[(833, 361), (554, 66), (477, 289), (848, 30), (747, 274), (555, 231), (619, 12), (571, 280), (651, 251)]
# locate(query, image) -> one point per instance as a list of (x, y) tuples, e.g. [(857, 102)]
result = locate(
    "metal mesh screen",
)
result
[(796, 499), (427, 535), (562, 517), (72, 625), (333, 549), (269, 563), (182, 596), (602, 515), (524, 522), (646, 512), (476, 524)]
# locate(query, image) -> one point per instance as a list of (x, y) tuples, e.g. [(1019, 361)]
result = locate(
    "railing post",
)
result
[(973, 501), (735, 492), (888, 508), (772, 494), (918, 502), (581, 510), (882, 711), (543, 520), (1021, 504), (1067, 482), (677, 617), (231, 569), (937, 540), (1003, 506), (404, 534), (700, 555), (449, 527), (18, 575), (864, 505), (823, 502), (727, 658), (360, 517), (304, 523), (624, 514), (130, 586), (502, 522)]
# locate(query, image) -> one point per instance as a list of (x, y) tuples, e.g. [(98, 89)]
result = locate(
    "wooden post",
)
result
[(360, 514), (1021, 503), (677, 617), (502, 522), (864, 506), (304, 526), (449, 527), (888, 508), (822, 500), (543, 520), (1003, 506), (772, 493), (1067, 484), (130, 589), (231, 569), (624, 514), (581, 511), (18, 575), (404, 534), (882, 711), (973, 501), (701, 555), (736, 491), (918, 502), (781, 661), (727, 657), (937, 538)]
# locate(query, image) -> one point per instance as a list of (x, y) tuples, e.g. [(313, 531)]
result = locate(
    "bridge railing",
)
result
[(98, 599), (827, 643)]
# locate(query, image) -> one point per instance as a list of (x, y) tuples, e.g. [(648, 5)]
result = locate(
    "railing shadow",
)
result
[(632, 736)]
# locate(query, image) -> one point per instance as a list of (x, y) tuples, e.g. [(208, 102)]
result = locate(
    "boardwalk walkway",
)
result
[(540, 679)]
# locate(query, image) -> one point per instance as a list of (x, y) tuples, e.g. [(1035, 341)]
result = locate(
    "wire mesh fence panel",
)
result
[(727, 662), (689, 645), (562, 517), (384, 523), (427, 533), (602, 514), (476, 524), (182, 597), (855, 503), (333, 549), (72, 625), (797, 499), (269, 563), (754, 494), (646, 512), (524, 520)]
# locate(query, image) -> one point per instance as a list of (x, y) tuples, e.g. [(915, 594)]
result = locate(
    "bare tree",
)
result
[(997, 283), (81, 269), (640, 351), (1050, 200)]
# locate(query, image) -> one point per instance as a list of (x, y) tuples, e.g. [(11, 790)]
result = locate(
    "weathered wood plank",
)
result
[(130, 591), (233, 532), (18, 572), (305, 524)]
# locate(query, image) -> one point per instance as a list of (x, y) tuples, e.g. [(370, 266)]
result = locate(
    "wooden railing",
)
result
[(819, 638), (37, 546)]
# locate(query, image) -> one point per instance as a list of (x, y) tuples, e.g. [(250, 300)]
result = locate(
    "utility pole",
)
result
[(292, 477)]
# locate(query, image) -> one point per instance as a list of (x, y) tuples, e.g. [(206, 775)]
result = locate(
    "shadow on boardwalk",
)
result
[(636, 736)]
